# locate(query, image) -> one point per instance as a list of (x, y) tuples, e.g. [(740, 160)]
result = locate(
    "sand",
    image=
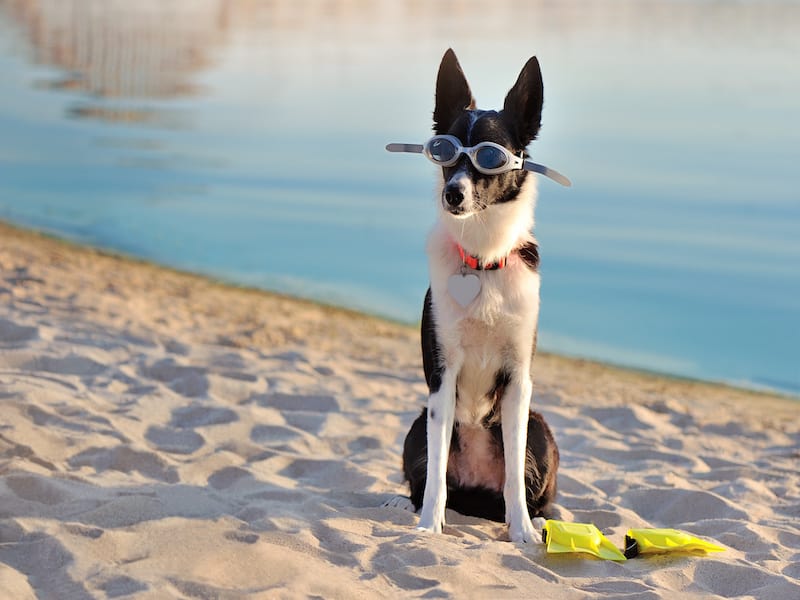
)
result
[(164, 436)]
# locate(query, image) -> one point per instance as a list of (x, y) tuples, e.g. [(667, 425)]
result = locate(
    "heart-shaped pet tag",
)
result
[(464, 287)]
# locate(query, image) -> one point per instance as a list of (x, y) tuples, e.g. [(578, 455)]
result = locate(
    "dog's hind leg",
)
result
[(541, 466), (415, 458)]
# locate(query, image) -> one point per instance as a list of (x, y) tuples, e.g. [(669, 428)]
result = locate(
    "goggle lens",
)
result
[(442, 150), (489, 157)]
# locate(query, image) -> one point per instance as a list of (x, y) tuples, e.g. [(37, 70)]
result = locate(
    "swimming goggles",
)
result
[(487, 157)]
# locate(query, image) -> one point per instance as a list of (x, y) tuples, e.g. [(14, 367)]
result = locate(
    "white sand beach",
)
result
[(164, 436)]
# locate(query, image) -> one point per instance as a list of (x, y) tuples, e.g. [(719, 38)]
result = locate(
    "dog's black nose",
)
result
[(453, 195)]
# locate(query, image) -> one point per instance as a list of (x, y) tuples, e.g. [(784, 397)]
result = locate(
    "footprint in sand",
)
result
[(72, 364), (728, 580), (228, 476), (312, 423), (187, 417), (271, 435), (364, 443), (175, 347), (37, 489), (122, 586), (82, 530), (126, 460), (677, 506), (241, 536), (341, 547), (43, 418), (11, 333), (45, 562), (296, 402), (617, 588), (628, 419), (603, 519), (332, 474), (175, 441), (187, 381)]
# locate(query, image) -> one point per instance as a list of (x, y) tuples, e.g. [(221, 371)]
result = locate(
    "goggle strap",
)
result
[(413, 148), (547, 172)]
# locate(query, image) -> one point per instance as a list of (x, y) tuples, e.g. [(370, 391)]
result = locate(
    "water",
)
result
[(245, 140)]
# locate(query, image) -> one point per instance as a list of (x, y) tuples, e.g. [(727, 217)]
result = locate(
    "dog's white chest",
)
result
[(493, 334), (486, 352)]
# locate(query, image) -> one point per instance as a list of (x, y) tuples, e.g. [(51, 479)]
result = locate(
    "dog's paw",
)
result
[(403, 502), (430, 524), (522, 531), (538, 524)]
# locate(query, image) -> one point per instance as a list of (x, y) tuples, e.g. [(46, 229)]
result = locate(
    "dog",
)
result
[(478, 448)]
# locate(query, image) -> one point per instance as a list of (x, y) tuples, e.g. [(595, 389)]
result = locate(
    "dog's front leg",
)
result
[(441, 412), (514, 421)]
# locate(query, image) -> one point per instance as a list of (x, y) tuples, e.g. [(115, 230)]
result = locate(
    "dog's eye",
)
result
[(489, 157)]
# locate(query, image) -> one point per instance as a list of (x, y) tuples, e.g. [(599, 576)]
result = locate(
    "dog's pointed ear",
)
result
[(453, 95), (523, 104)]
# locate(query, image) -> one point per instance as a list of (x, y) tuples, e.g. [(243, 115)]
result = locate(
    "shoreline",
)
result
[(7, 228), (164, 435)]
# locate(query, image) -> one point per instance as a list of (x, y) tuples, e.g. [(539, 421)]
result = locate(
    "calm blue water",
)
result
[(245, 140)]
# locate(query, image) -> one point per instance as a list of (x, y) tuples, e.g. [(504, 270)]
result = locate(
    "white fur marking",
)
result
[(461, 180)]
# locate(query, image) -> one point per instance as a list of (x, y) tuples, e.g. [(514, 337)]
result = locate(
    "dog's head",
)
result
[(466, 191)]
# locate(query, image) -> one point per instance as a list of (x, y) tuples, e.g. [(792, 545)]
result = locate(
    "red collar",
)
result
[(473, 262)]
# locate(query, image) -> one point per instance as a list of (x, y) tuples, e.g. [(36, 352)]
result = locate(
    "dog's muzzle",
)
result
[(453, 198)]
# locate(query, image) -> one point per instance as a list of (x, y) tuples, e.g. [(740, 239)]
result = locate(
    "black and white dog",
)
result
[(478, 448)]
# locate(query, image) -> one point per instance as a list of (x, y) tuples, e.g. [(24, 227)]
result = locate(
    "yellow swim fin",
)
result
[(560, 536), (652, 541)]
